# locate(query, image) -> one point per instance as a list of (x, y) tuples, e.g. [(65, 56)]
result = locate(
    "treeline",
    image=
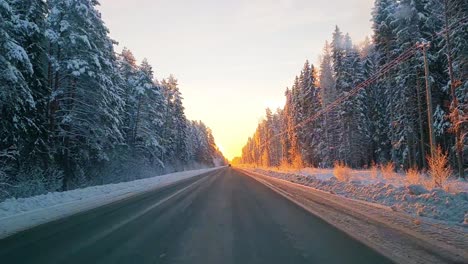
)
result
[(387, 121), (75, 113)]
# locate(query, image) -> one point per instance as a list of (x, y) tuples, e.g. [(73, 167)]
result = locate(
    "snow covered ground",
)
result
[(23, 213), (450, 205)]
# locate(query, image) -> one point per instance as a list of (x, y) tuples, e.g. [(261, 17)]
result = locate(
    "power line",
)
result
[(383, 70)]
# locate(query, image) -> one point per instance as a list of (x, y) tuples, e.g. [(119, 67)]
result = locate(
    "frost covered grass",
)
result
[(411, 192)]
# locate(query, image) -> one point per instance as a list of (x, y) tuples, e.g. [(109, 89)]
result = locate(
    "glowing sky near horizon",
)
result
[(232, 58)]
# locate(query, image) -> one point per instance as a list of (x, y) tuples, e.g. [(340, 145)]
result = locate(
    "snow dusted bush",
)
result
[(388, 170), (4, 185), (342, 172), (439, 169), (31, 182)]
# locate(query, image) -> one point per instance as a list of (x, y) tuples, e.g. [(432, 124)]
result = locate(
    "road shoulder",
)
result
[(42, 209), (400, 237)]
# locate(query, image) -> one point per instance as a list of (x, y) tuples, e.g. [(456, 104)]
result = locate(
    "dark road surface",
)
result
[(220, 217)]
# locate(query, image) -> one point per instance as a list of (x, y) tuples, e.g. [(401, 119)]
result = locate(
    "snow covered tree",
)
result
[(352, 132), (201, 145), (377, 122), (70, 106), (147, 122), (308, 106), (30, 35), (127, 68), (411, 26), (328, 94), (453, 15), (176, 124), (16, 96), (387, 119), (85, 103)]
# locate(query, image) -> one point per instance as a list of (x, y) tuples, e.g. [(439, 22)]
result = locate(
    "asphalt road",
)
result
[(220, 217)]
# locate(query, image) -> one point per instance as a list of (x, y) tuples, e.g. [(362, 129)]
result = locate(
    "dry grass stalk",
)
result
[(413, 176), (374, 170), (341, 171), (388, 170)]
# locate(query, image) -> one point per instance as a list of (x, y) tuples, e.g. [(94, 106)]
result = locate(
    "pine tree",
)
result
[(309, 105), (16, 97), (386, 121), (69, 106), (384, 40), (85, 104), (453, 13), (410, 28), (377, 122), (328, 95), (286, 127), (295, 118), (127, 68), (148, 116), (175, 121)]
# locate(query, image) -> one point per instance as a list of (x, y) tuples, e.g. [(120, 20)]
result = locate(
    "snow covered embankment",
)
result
[(437, 204), (23, 213)]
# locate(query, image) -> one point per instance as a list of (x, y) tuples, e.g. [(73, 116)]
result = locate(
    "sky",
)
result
[(233, 59)]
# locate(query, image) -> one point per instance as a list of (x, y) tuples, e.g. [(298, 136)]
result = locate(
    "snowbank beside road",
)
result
[(402, 237), (20, 214), (414, 199)]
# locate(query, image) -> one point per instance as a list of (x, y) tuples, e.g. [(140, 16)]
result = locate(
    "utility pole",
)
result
[(420, 121), (432, 142)]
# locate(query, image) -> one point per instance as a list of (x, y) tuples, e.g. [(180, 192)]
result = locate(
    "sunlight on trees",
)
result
[(386, 121)]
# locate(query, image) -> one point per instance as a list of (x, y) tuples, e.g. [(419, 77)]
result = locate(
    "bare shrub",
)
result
[(374, 170), (284, 166), (413, 176), (36, 181), (297, 162), (388, 170), (341, 171), (439, 169)]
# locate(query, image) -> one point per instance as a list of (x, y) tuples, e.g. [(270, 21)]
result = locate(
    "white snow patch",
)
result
[(449, 206), (23, 213)]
